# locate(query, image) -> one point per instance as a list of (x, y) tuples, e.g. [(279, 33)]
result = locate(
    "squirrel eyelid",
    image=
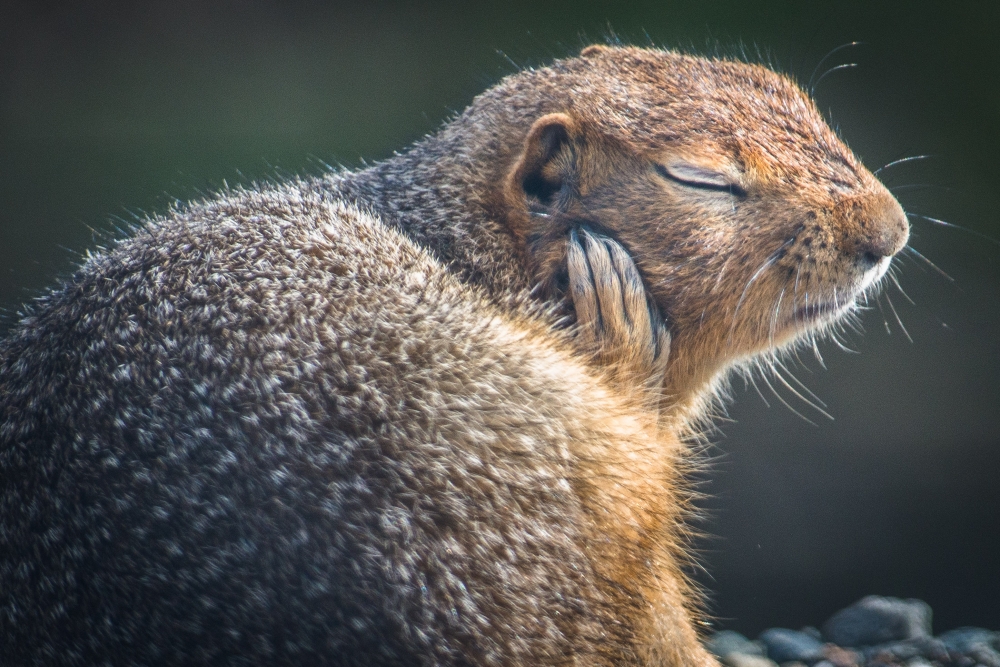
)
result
[(699, 177)]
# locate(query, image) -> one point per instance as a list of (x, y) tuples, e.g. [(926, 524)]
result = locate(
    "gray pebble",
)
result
[(725, 642), (985, 655), (962, 640), (785, 645), (922, 647), (744, 660), (878, 620), (840, 656)]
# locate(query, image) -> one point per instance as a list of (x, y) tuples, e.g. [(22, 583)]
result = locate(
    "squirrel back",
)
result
[(285, 432)]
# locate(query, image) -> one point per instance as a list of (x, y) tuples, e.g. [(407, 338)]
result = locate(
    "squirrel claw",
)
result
[(618, 322)]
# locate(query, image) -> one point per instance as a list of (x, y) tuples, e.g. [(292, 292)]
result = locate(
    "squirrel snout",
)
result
[(883, 234)]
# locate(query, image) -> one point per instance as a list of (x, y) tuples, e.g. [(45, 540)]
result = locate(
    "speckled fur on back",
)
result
[(342, 420), (271, 430)]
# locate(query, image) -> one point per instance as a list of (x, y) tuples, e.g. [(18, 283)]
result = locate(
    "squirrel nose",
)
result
[(884, 233)]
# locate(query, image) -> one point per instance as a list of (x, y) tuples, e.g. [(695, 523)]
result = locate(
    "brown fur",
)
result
[(502, 337), (734, 278)]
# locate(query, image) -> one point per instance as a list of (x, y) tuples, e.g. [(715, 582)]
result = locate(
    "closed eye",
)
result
[(700, 178)]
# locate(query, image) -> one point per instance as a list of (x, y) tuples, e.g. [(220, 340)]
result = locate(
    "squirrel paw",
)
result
[(618, 322)]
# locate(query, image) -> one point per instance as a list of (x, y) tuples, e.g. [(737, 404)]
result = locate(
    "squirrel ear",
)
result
[(546, 168)]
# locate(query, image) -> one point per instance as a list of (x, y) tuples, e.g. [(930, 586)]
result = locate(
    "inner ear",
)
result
[(546, 170)]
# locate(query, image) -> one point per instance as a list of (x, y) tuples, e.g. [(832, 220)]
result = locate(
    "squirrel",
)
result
[(436, 411)]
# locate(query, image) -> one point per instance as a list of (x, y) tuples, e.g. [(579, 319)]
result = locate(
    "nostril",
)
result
[(870, 258), (872, 249)]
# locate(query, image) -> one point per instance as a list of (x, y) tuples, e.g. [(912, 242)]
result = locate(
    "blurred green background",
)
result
[(115, 109)]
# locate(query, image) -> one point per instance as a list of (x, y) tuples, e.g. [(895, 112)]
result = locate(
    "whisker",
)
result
[(750, 378), (911, 186), (928, 262), (775, 256), (799, 382), (795, 294), (795, 351), (894, 279), (832, 70), (943, 223), (901, 161), (885, 320), (836, 341), (722, 271), (893, 308), (911, 259), (778, 396), (852, 322), (774, 317), (811, 86), (750, 282), (802, 398), (815, 347)]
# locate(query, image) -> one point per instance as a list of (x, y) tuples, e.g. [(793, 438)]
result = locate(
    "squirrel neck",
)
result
[(444, 193)]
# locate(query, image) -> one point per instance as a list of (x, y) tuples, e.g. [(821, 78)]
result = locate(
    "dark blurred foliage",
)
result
[(111, 110)]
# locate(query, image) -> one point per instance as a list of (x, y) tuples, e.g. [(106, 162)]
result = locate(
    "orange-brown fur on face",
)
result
[(802, 230)]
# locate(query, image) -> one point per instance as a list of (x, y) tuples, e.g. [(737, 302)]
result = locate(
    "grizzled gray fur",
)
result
[(209, 451)]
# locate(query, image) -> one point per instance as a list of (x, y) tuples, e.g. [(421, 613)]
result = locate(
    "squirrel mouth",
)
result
[(823, 312), (814, 312)]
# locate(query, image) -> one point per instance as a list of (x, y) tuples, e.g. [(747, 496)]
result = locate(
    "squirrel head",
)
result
[(750, 221)]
